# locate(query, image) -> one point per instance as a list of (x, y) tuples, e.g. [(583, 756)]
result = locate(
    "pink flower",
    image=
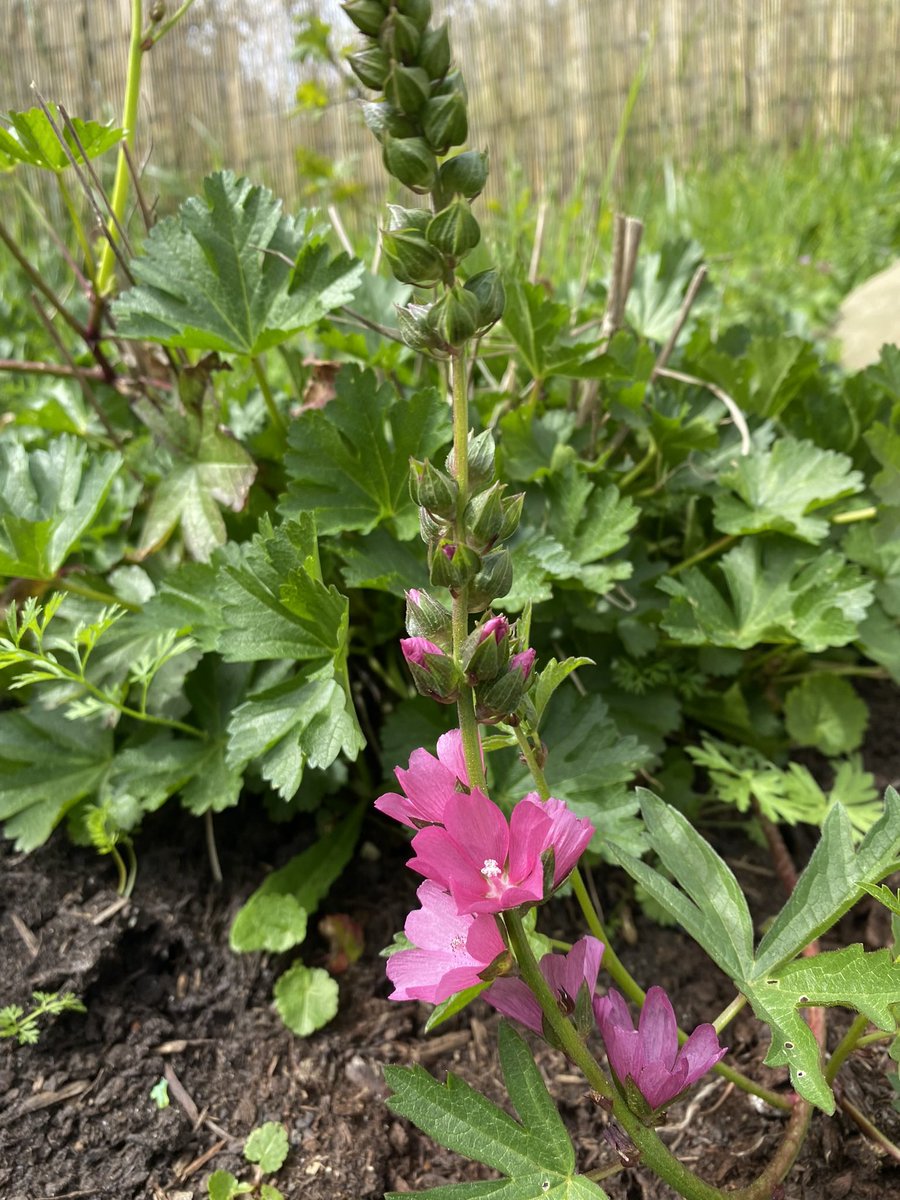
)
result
[(565, 973), (428, 783), (650, 1055), (489, 865), (496, 626), (415, 648), (523, 662), (451, 953)]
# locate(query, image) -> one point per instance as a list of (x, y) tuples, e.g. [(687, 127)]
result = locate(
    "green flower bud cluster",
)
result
[(463, 533), (420, 116)]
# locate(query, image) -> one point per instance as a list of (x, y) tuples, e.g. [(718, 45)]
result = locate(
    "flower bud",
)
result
[(453, 564), (463, 175), (487, 287), (453, 316), (485, 652), (411, 161), (492, 581), (416, 331), (445, 122), (452, 82), (406, 88), (432, 489), (484, 516), (454, 230), (481, 459), (431, 528), (370, 66), (408, 218), (382, 119), (496, 700), (412, 258), (417, 11), (427, 618), (434, 673), (512, 514), (367, 15), (434, 52), (399, 38)]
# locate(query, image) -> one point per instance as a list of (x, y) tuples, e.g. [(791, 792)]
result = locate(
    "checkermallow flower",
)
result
[(489, 865), (451, 953), (650, 1055), (428, 783), (565, 973)]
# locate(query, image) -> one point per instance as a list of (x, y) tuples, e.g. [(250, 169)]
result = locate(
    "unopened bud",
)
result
[(497, 700), (453, 565), (412, 258), (431, 528), (427, 618), (434, 673), (445, 122), (399, 38), (370, 66), (512, 515), (434, 52), (157, 12), (481, 451), (415, 329), (452, 82), (454, 230), (485, 652), (383, 119), (462, 175), (492, 581), (367, 15), (431, 488), (484, 516), (408, 218), (411, 161), (453, 317), (417, 11), (487, 287), (406, 88)]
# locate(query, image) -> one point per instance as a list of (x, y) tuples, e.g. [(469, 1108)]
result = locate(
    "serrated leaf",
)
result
[(705, 897), (824, 711), (777, 490), (222, 1185), (350, 461), (772, 595), (274, 604), (305, 720), (660, 282), (306, 999), (380, 562), (548, 680), (884, 444), (536, 1155), (47, 764), (231, 273), (831, 882), (533, 321), (268, 1146), (268, 922), (30, 139), (866, 982), (48, 499), (452, 1005)]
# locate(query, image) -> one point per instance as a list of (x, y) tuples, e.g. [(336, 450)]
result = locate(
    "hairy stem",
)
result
[(278, 422), (845, 1046)]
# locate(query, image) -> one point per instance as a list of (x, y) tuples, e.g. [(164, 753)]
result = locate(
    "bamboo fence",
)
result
[(549, 80)]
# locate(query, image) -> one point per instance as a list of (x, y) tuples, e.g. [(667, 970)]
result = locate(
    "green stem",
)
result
[(855, 514), (871, 1038), (129, 123), (638, 470), (89, 593), (120, 867), (132, 868), (727, 1015), (468, 725), (845, 1046), (275, 416), (654, 1153), (528, 753), (163, 28), (706, 552)]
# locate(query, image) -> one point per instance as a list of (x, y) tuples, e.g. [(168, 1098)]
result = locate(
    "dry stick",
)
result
[(39, 285), (146, 212), (86, 389), (686, 305), (26, 367), (736, 415), (95, 178), (338, 226), (538, 244)]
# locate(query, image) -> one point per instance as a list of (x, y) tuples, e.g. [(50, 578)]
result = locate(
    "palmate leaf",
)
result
[(48, 499), (853, 978), (774, 594), (350, 461), (824, 711), (534, 1154), (778, 489), (30, 139), (232, 273)]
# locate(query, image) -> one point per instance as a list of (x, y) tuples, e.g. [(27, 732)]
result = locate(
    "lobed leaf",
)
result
[(306, 999), (31, 139)]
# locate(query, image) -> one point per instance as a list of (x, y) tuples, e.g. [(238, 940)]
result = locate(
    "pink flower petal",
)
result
[(515, 999), (658, 1029)]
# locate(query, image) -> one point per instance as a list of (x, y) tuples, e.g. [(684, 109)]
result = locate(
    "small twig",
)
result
[(31, 942), (200, 1161), (110, 911), (338, 226), (95, 178), (686, 305), (181, 1096), (146, 213), (154, 34), (736, 415), (38, 283), (359, 319), (538, 244)]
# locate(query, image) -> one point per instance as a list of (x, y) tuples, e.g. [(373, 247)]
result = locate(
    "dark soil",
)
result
[(166, 998)]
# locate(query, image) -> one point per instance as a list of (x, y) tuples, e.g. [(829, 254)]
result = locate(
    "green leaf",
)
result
[(773, 594), (776, 490), (306, 999), (380, 562), (159, 1093), (306, 720), (550, 679), (274, 604), (453, 1005), (268, 1192), (536, 1155), (47, 764), (660, 282), (210, 468), (30, 139), (222, 1185), (232, 273), (268, 1146), (831, 883), (48, 499), (268, 922), (533, 321), (884, 444), (350, 460), (824, 711), (705, 897), (866, 982)]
